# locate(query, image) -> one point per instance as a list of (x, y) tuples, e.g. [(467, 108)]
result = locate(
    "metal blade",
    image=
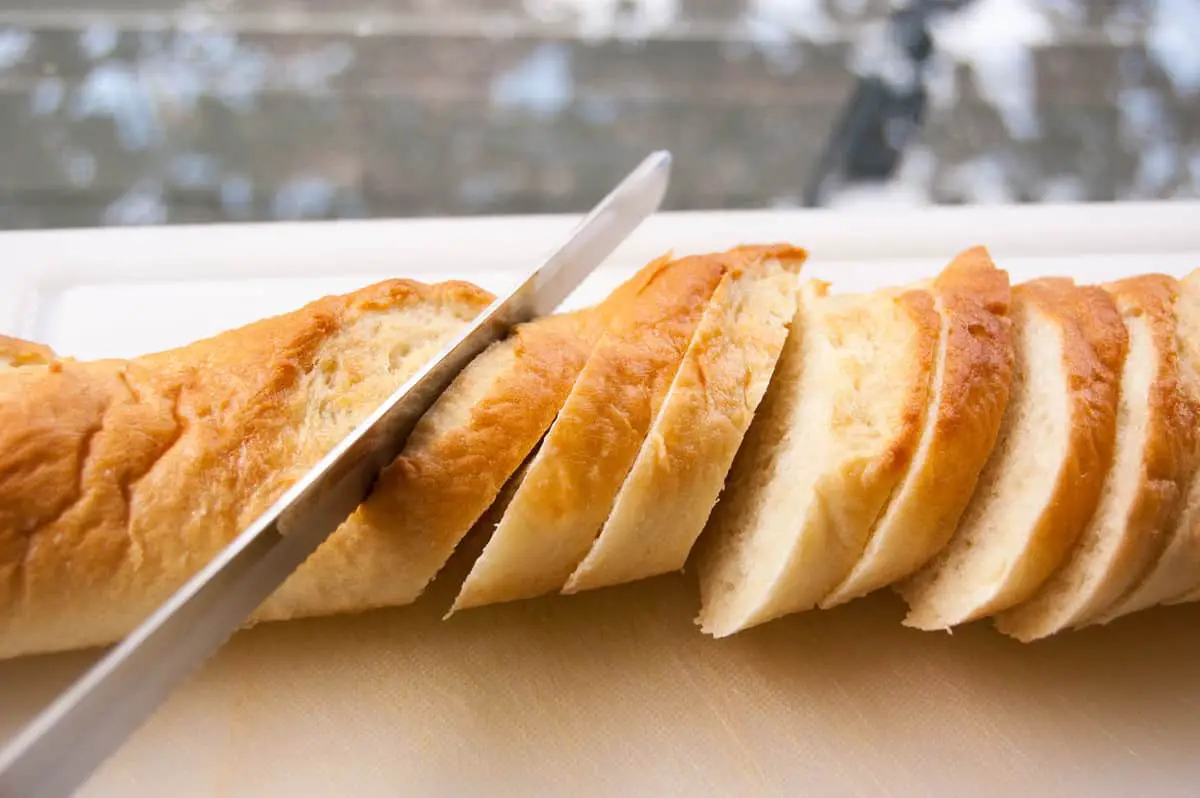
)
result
[(59, 750)]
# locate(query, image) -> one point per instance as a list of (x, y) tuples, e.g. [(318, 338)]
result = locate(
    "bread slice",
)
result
[(1144, 485), (571, 484), (1177, 572), (453, 466), (832, 440), (1043, 480), (120, 478), (973, 369), (679, 471), (452, 469)]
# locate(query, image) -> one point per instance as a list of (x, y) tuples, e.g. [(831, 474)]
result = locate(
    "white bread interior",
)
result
[(1043, 480), (1175, 577), (674, 482), (569, 488), (840, 423), (453, 465), (1144, 485), (969, 393)]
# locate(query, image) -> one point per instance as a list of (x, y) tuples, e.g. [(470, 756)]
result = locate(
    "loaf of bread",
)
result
[(1028, 455)]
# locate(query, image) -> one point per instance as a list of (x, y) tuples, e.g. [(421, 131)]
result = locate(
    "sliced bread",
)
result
[(840, 423), (674, 482), (1143, 487), (1043, 480), (1177, 573), (570, 486), (452, 468), (972, 371)]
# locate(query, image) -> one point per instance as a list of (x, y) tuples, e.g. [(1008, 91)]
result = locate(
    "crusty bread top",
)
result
[(571, 483), (15, 352), (1045, 474), (972, 372), (119, 479), (1144, 485)]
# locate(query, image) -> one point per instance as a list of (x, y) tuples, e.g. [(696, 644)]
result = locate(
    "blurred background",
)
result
[(116, 112)]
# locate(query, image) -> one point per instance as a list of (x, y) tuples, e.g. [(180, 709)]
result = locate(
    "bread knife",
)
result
[(58, 751)]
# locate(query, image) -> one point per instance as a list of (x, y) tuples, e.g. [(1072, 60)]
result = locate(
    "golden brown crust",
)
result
[(1122, 540), (389, 550), (1175, 578), (15, 352), (119, 479), (1011, 539), (920, 307), (1169, 443), (570, 486), (1094, 348), (674, 482), (979, 354), (967, 405)]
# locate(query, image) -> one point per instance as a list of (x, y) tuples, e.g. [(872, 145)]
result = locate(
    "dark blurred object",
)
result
[(886, 107)]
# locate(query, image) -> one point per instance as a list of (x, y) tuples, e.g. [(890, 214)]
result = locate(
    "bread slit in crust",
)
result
[(972, 374), (674, 482), (1143, 487), (1043, 481)]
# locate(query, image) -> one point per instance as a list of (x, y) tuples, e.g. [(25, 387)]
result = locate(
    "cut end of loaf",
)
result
[(738, 561)]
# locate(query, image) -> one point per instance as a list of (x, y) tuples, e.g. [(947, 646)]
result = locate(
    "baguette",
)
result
[(972, 373), (1177, 572), (570, 486), (853, 385), (1143, 487), (679, 471), (1043, 480), (121, 478)]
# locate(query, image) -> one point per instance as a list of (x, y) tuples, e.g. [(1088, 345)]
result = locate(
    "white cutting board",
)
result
[(615, 692)]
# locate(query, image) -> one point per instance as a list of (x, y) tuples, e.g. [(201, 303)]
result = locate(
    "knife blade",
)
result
[(63, 745)]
